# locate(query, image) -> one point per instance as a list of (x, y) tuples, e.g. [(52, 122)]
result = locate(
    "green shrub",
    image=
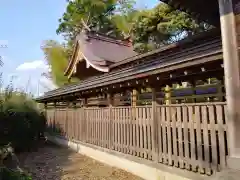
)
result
[(20, 122), (7, 174), (9, 165), (20, 126)]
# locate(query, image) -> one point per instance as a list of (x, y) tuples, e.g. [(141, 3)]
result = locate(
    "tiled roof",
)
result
[(99, 51), (99, 47)]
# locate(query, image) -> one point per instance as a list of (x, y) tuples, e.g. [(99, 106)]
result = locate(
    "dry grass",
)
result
[(51, 162)]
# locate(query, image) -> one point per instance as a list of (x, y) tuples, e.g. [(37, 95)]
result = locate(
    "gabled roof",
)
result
[(204, 10), (99, 51), (105, 47)]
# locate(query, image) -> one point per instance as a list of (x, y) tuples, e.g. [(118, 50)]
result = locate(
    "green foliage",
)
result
[(162, 25), (7, 174), (14, 172), (124, 23), (20, 121), (56, 56), (95, 13), (21, 125), (149, 29)]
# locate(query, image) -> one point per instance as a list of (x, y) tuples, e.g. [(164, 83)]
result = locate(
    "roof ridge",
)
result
[(101, 36)]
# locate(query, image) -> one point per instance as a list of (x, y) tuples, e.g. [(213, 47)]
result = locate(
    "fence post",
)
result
[(45, 115), (66, 120), (154, 125), (54, 117), (84, 122), (110, 104)]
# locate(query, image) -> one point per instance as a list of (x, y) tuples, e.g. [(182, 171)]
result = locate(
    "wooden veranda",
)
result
[(172, 106)]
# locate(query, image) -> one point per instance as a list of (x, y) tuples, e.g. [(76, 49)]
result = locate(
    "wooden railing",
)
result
[(187, 136)]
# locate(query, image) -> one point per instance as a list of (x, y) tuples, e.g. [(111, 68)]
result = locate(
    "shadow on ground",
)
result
[(53, 162)]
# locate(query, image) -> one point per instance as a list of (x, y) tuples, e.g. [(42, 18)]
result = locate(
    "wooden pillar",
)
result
[(220, 90), (84, 102), (232, 79), (134, 97), (134, 103), (168, 95), (110, 99), (54, 118), (193, 87), (45, 114), (45, 108)]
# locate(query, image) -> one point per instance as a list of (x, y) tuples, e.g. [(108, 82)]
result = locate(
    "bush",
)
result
[(20, 122), (20, 126), (7, 174), (9, 165)]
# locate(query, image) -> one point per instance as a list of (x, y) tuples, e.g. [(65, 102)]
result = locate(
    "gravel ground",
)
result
[(51, 162)]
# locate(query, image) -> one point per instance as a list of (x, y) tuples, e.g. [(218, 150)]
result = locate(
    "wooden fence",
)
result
[(190, 136)]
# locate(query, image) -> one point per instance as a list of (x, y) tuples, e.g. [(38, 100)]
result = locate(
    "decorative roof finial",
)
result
[(85, 26)]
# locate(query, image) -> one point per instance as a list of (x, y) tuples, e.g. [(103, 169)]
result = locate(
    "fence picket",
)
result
[(221, 137), (180, 137), (144, 124), (159, 134), (141, 131), (214, 159), (131, 131), (186, 138), (174, 135), (206, 140), (149, 119), (163, 115), (192, 137), (169, 135)]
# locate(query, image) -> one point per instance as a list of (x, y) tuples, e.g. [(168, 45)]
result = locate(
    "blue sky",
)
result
[(24, 26)]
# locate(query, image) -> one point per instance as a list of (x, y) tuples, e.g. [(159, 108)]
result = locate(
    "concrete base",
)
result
[(234, 163), (125, 162), (227, 175)]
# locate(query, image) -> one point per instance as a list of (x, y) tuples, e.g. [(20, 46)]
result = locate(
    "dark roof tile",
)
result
[(103, 48)]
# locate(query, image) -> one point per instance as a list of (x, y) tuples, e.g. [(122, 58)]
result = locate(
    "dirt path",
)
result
[(52, 162)]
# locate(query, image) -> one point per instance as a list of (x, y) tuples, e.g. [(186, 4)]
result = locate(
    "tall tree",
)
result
[(94, 13), (162, 25)]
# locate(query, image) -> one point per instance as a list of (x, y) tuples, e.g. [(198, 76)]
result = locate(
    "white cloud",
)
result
[(47, 83), (39, 64)]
